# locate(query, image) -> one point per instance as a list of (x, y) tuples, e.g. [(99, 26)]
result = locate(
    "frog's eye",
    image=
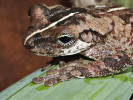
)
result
[(65, 39)]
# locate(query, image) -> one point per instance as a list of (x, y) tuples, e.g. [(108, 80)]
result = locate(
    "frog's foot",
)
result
[(53, 76), (82, 68)]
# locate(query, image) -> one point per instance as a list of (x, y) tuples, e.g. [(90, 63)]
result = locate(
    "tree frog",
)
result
[(104, 34)]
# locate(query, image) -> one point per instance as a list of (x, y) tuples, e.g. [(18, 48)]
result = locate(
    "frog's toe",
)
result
[(38, 80), (52, 81)]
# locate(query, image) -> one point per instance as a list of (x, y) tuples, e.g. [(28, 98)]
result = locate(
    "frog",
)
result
[(101, 33)]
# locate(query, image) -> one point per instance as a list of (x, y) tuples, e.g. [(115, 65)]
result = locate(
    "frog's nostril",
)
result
[(29, 44)]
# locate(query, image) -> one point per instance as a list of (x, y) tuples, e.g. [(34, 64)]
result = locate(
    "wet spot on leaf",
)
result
[(32, 84), (116, 98), (122, 78), (100, 79), (87, 80), (57, 84), (131, 80), (104, 77), (42, 87)]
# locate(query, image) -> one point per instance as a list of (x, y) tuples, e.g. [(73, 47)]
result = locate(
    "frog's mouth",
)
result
[(76, 48)]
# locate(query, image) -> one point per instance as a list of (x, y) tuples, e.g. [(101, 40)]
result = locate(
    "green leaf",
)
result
[(117, 87), (126, 3)]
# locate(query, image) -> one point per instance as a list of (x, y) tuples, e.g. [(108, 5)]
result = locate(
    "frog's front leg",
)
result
[(82, 68)]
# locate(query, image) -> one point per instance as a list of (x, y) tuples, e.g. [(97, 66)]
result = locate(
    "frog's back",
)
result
[(121, 36), (116, 24)]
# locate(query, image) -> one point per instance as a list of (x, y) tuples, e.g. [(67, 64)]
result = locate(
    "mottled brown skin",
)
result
[(106, 37)]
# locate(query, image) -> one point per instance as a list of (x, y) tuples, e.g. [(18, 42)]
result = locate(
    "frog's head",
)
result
[(54, 31)]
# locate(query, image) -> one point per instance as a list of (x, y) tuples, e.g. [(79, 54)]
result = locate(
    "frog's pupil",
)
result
[(65, 39), (29, 12)]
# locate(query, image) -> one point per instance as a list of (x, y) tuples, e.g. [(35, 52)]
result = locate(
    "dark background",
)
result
[(15, 60)]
